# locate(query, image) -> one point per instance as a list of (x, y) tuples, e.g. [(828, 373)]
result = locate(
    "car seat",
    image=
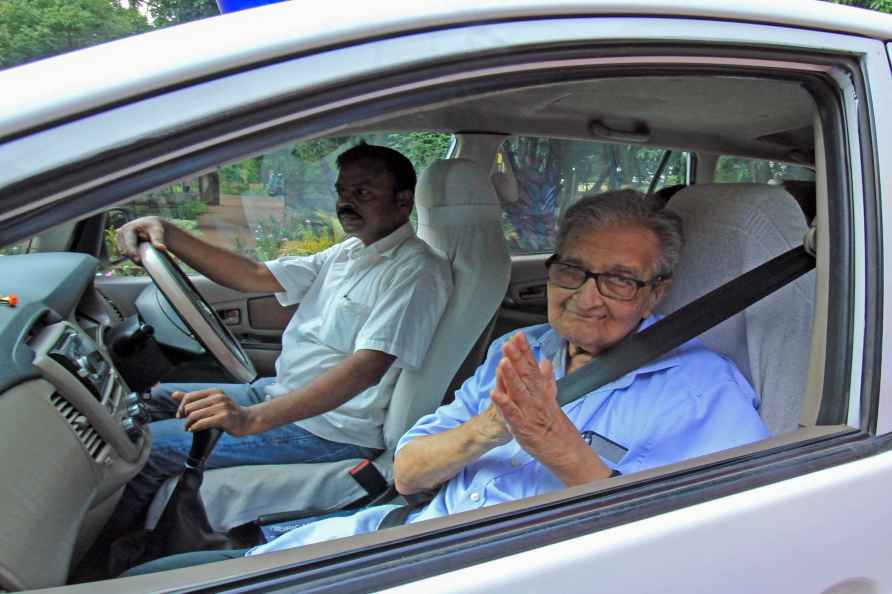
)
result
[(459, 215), (730, 229)]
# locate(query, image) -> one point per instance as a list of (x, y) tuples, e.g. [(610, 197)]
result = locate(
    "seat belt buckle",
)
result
[(369, 478)]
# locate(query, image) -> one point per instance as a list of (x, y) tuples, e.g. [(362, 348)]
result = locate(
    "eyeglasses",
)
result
[(359, 193), (612, 286)]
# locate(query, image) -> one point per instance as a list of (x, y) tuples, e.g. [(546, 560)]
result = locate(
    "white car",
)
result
[(757, 121)]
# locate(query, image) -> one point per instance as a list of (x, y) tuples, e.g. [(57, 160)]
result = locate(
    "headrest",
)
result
[(454, 182)]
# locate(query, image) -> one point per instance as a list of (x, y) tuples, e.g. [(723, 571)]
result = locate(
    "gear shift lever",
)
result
[(184, 525), (203, 443)]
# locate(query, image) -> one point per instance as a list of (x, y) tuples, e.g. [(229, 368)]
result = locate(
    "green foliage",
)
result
[(239, 177), (231, 180), (306, 246), (318, 149), (189, 210), (165, 13), (290, 235), (34, 29), (15, 249), (170, 203), (117, 265), (738, 170), (422, 148), (880, 5)]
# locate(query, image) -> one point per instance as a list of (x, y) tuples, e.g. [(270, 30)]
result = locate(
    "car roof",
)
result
[(89, 79)]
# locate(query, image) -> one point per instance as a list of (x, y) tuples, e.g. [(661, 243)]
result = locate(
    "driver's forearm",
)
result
[(326, 392), (218, 264)]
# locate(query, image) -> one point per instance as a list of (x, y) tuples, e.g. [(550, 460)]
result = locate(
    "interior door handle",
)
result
[(231, 316), (531, 293)]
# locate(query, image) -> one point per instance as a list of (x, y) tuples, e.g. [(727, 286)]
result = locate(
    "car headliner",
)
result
[(81, 81)]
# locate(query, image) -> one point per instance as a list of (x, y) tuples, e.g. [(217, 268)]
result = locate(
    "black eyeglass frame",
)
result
[(639, 284)]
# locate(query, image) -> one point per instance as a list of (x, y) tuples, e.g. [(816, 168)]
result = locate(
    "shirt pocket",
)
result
[(343, 323)]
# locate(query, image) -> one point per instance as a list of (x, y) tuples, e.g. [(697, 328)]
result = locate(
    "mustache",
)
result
[(346, 209)]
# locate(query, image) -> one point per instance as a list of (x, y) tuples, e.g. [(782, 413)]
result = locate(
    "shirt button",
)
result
[(475, 496), (515, 462)]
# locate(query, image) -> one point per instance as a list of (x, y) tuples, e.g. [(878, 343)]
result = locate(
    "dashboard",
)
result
[(70, 426)]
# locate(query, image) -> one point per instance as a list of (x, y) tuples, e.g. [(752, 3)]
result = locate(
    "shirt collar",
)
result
[(552, 346), (386, 246)]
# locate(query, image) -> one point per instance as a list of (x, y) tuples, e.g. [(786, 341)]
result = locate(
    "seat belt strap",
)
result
[(684, 324), (398, 515)]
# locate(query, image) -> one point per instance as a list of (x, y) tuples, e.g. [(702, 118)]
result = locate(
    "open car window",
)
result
[(525, 115)]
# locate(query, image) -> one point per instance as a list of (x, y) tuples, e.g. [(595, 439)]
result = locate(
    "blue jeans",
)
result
[(288, 444)]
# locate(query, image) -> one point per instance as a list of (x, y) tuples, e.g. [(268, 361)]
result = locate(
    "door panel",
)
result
[(524, 304)]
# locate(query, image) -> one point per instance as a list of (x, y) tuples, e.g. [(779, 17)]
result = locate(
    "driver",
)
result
[(368, 307), (505, 437)]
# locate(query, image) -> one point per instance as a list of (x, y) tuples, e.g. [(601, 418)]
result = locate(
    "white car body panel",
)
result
[(112, 72), (740, 544)]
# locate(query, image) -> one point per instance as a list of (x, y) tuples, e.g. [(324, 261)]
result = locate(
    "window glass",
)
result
[(275, 204), (537, 178), (19, 247), (730, 169)]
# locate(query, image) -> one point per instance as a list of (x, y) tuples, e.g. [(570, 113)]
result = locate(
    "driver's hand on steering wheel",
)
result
[(211, 407), (143, 229)]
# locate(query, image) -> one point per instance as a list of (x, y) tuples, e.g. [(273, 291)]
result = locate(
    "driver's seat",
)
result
[(459, 215)]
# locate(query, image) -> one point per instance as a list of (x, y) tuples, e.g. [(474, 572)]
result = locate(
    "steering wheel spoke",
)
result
[(196, 314)]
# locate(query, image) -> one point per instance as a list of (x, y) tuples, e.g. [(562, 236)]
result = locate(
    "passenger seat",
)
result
[(730, 229)]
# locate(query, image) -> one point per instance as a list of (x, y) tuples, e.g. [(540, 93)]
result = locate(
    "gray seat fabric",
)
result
[(459, 215), (731, 229)]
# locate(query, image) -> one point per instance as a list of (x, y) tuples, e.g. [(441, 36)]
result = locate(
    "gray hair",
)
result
[(627, 207)]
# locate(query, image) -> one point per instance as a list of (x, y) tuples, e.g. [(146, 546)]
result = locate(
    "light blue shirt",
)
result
[(689, 402)]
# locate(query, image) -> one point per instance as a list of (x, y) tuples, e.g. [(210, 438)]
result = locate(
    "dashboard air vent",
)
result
[(93, 443)]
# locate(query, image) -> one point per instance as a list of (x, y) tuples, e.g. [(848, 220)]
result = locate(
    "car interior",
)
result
[(738, 155)]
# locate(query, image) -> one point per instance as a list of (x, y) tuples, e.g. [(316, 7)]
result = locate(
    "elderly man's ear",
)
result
[(657, 294)]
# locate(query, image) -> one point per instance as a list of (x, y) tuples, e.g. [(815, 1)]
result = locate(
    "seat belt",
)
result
[(681, 326), (669, 333)]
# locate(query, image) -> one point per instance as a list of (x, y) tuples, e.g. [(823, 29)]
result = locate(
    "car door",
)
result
[(803, 511)]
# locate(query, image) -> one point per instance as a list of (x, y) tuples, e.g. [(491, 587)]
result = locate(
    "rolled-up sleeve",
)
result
[(404, 317), (297, 273)]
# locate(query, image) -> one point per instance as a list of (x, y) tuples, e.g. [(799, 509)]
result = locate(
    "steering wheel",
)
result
[(193, 311)]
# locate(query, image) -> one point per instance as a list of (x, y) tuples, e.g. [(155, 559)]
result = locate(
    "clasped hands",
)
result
[(525, 407)]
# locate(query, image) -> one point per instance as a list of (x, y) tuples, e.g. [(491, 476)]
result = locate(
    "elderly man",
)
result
[(505, 437), (368, 307)]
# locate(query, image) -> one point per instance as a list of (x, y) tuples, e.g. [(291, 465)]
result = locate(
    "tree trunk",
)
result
[(209, 186)]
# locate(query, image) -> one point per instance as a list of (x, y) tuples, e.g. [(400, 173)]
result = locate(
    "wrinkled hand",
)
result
[(143, 229), (211, 407), (526, 396), (492, 427)]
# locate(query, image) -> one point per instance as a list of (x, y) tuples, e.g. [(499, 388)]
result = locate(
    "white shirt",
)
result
[(387, 296)]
